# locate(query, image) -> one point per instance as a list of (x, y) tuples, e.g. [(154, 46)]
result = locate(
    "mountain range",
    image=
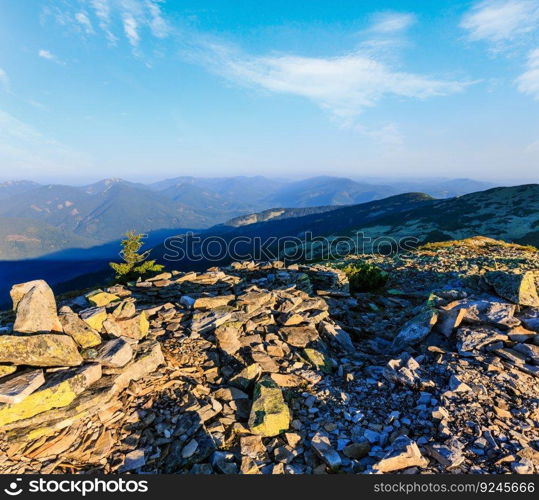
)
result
[(40, 220)]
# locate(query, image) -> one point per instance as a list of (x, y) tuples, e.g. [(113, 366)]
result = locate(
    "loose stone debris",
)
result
[(264, 368)]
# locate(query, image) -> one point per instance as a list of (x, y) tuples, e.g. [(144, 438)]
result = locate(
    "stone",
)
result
[(489, 311), (246, 377), (456, 385), (98, 298), (135, 328), (404, 453), (270, 415), (511, 355), (519, 288), (357, 450), (521, 334), (450, 457), (203, 322), (94, 317), (298, 336), (133, 460), (406, 371), (39, 350), (190, 448), (337, 336), (59, 391), (322, 447), (470, 341), (228, 339), (147, 361), (36, 309), (449, 320), (253, 447), (19, 290), (531, 352), (17, 388), (207, 303), (318, 359), (114, 353), (83, 334), (415, 330)]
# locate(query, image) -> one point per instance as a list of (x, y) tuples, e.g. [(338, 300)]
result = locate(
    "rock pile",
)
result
[(273, 369)]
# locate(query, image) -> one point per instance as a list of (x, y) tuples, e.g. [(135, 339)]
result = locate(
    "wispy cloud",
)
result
[(27, 150), (501, 21), (133, 18), (83, 19), (46, 54), (4, 80), (392, 22), (343, 86), (528, 82)]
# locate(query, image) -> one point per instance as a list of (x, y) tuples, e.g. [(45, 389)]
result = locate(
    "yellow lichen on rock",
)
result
[(101, 299), (270, 415)]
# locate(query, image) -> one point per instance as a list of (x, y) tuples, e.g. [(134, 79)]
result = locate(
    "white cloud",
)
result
[(130, 28), (528, 82), (499, 21), (344, 85), (83, 19), (45, 54), (392, 22), (4, 80)]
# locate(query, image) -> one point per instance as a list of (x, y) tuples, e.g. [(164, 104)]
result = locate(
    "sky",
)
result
[(150, 89)]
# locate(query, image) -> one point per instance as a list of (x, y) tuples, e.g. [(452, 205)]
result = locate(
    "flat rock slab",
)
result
[(59, 391), (133, 328), (36, 309), (94, 317), (17, 388), (39, 350), (114, 353), (99, 298), (404, 454)]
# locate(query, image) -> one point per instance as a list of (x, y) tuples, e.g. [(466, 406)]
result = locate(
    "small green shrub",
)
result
[(365, 277), (135, 264)]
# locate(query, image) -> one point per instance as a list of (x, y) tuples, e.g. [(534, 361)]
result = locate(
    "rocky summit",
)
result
[(267, 368)]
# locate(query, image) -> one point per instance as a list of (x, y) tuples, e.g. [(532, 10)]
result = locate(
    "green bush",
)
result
[(365, 277), (135, 264)]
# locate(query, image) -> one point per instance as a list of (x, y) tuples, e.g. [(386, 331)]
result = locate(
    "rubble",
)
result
[(268, 368)]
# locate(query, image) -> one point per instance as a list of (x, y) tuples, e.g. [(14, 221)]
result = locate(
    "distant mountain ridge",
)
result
[(98, 213)]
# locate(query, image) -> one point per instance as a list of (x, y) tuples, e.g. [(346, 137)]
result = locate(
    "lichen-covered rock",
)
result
[(39, 350), (6, 370), (36, 308), (318, 359), (60, 390), (83, 334), (94, 317), (205, 303), (98, 298), (519, 288), (269, 413)]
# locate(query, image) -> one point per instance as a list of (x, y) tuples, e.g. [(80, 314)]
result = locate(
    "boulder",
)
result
[(318, 359), (59, 391), (206, 321), (470, 341), (228, 339), (270, 415), (519, 288), (114, 353), (36, 308), (39, 350), (83, 334), (17, 388), (299, 336), (247, 376)]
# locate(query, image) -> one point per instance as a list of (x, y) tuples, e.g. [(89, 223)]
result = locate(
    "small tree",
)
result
[(135, 264)]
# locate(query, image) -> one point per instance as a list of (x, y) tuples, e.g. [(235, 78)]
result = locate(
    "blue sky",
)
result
[(148, 89)]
